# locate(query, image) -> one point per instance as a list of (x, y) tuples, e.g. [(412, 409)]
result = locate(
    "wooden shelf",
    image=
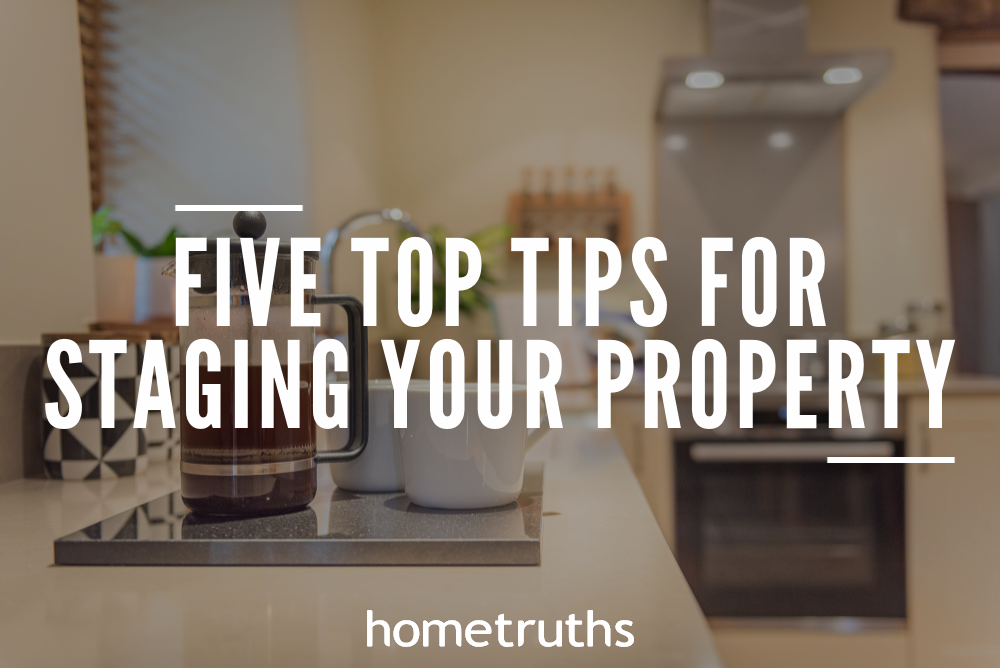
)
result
[(573, 215)]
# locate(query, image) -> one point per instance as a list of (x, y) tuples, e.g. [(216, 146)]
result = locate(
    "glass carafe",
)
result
[(257, 470)]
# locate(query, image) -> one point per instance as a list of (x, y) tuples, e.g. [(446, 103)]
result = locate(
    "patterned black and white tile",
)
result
[(88, 452), (164, 443)]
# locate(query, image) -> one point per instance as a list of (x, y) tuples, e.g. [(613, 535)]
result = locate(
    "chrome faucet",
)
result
[(355, 223)]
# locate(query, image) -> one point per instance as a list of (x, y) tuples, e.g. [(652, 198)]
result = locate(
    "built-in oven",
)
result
[(767, 529)]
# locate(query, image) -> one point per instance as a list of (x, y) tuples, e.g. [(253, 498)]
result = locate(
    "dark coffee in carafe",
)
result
[(273, 467)]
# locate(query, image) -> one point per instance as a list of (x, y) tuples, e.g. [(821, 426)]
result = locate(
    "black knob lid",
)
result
[(249, 224)]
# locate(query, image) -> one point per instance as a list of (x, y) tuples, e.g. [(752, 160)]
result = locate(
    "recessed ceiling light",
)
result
[(676, 142), (781, 139), (842, 75), (705, 79)]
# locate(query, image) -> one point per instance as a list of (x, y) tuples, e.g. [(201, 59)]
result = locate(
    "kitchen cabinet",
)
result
[(799, 648), (651, 454), (953, 541), (953, 524)]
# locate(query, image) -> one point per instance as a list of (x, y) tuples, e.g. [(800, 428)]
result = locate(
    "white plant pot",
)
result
[(133, 289), (114, 282), (154, 292)]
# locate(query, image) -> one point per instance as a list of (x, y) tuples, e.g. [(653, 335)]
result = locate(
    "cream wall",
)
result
[(467, 93), (435, 106), (337, 46), (46, 267), (470, 92), (894, 166)]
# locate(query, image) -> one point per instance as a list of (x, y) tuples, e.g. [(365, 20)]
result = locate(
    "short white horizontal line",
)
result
[(890, 460), (237, 207)]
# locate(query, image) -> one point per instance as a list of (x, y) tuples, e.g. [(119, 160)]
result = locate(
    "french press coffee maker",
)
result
[(257, 470)]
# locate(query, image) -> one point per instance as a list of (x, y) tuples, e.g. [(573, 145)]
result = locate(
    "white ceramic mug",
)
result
[(470, 466), (380, 466)]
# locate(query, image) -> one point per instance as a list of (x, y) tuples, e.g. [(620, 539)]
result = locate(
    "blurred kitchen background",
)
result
[(436, 108), (868, 125)]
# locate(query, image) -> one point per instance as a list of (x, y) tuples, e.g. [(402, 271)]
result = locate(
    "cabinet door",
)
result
[(650, 452), (953, 538)]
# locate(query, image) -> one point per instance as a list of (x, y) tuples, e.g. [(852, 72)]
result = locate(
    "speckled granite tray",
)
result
[(338, 528)]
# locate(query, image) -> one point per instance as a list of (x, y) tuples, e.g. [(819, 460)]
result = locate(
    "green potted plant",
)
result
[(130, 287), (470, 302)]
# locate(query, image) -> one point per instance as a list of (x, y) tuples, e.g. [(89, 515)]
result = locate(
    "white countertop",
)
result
[(601, 550)]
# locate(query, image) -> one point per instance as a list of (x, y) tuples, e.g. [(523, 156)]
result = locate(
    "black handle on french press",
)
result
[(252, 225), (357, 378)]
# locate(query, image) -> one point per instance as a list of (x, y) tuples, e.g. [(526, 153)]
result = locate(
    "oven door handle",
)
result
[(787, 451)]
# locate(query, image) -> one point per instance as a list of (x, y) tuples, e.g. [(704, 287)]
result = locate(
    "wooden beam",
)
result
[(969, 56), (953, 15)]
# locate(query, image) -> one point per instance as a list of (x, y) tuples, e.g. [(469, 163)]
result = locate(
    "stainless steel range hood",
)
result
[(759, 68)]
